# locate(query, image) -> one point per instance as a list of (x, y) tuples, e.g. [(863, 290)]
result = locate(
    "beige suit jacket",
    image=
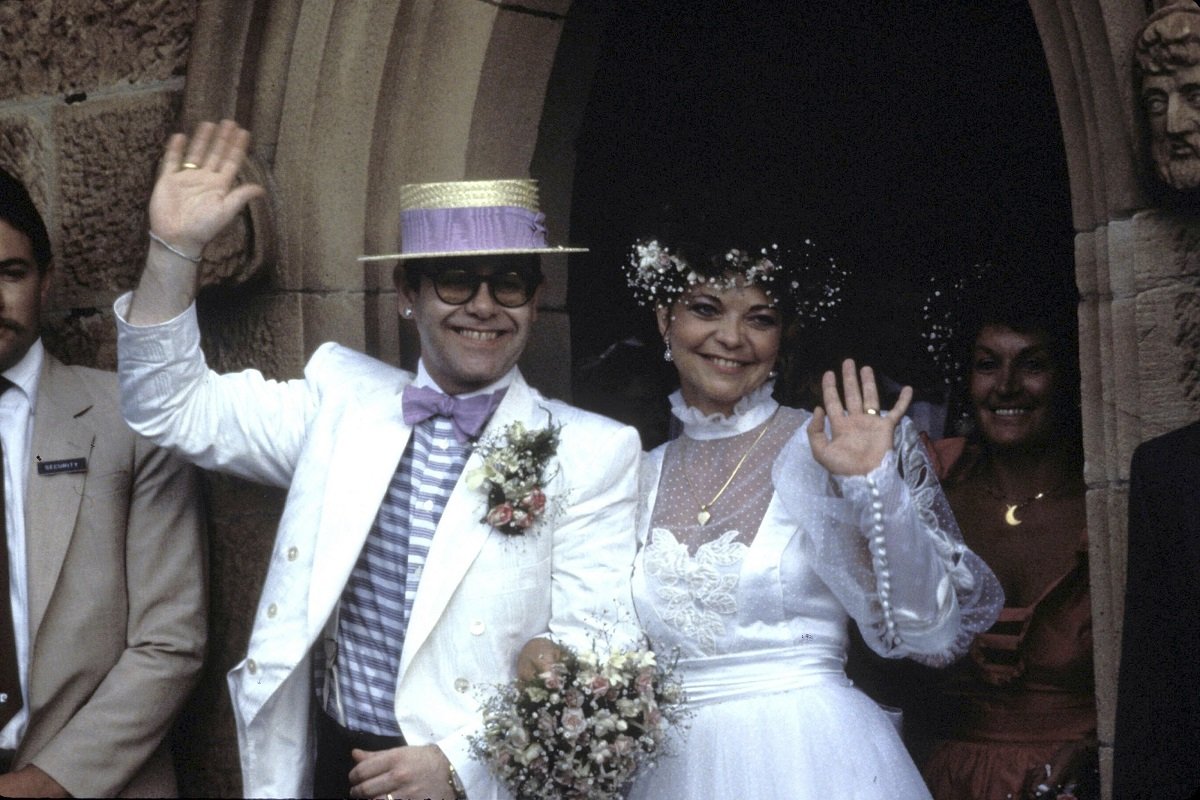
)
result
[(116, 593)]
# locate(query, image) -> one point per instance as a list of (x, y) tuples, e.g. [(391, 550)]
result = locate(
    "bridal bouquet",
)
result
[(582, 729)]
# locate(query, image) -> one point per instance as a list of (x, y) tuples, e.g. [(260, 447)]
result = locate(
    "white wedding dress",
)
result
[(755, 605)]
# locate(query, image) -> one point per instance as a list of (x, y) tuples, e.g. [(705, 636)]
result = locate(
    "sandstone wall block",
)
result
[(23, 145), (71, 47), (241, 330), (108, 153)]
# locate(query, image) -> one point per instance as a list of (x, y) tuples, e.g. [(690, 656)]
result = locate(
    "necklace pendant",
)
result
[(1010, 514), (703, 517)]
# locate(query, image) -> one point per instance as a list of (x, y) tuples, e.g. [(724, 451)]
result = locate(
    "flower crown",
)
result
[(796, 280)]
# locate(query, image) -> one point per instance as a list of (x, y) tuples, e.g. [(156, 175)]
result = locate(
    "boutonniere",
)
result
[(513, 475)]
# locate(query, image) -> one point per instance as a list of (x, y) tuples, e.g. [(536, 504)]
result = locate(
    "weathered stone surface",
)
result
[(1104, 624), (1108, 392), (63, 47), (381, 316), (1127, 399), (23, 145), (86, 336), (1168, 336), (543, 364), (243, 521), (1166, 248), (1092, 393), (554, 290), (1119, 247), (242, 330), (333, 317), (1086, 262), (107, 153)]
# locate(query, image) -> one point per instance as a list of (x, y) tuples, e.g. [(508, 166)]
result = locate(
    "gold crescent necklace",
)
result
[(1011, 508), (704, 516)]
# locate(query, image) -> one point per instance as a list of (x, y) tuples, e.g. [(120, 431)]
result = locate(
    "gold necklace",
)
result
[(703, 517), (1011, 508)]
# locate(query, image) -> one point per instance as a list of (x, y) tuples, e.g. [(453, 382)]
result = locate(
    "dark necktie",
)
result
[(10, 675), (467, 415)]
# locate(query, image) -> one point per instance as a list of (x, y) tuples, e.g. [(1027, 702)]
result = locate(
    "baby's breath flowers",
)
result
[(796, 279), (581, 730)]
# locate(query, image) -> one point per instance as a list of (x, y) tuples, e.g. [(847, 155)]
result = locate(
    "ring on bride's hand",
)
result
[(874, 412), (189, 165)]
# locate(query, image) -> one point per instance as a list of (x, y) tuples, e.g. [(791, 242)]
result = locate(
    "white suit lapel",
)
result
[(369, 441), (460, 532)]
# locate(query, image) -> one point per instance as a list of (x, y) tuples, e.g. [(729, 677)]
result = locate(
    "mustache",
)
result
[(12, 325)]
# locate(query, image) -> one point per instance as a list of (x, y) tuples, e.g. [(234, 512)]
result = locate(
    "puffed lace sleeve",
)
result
[(888, 547)]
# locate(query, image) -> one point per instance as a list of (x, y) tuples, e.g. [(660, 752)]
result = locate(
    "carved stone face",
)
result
[(1172, 105)]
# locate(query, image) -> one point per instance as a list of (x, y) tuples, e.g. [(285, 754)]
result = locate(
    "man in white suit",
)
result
[(391, 602)]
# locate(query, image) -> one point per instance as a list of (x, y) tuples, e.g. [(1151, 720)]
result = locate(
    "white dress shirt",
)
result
[(16, 428)]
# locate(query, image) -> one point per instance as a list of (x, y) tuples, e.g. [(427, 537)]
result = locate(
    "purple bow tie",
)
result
[(468, 415)]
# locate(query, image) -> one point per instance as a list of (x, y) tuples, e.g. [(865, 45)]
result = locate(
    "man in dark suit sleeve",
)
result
[(1156, 750)]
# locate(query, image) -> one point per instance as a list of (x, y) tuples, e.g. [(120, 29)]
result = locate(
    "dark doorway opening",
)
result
[(906, 140)]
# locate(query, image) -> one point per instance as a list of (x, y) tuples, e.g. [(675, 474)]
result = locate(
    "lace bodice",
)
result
[(790, 552)]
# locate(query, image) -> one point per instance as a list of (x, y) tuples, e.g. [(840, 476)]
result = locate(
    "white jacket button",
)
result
[(252, 666), (477, 627), (461, 685)]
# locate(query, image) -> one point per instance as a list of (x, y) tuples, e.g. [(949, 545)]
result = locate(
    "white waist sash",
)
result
[(715, 679)]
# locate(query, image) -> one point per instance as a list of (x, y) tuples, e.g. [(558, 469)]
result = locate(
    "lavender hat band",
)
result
[(471, 218), (440, 230)]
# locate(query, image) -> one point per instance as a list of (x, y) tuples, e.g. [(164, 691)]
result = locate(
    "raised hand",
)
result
[(195, 195), (859, 434)]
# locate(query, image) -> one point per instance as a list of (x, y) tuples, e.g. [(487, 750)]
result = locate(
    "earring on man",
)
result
[(407, 313)]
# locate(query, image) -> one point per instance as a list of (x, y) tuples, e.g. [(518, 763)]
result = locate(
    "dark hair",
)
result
[(17, 209), (715, 262), (1034, 298), (528, 265)]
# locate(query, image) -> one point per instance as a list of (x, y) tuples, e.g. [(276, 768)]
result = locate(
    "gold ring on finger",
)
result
[(872, 411), (189, 165)]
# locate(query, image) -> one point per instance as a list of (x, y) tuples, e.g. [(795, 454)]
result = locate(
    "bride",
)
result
[(766, 529)]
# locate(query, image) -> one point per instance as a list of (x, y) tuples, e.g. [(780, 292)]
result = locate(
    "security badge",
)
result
[(66, 465)]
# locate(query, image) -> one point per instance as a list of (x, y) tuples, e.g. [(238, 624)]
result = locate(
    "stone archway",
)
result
[(1136, 267), (349, 100)]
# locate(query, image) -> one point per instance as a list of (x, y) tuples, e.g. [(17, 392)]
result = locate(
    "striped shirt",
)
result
[(378, 598)]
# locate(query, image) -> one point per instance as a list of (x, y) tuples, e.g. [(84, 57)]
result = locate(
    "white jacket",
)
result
[(335, 438)]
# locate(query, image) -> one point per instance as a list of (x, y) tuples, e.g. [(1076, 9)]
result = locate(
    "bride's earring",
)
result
[(667, 353), (408, 313)]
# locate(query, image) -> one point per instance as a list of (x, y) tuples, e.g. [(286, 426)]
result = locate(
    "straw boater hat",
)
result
[(471, 218)]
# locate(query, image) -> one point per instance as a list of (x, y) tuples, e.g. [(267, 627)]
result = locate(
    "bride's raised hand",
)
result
[(859, 435), (196, 195)]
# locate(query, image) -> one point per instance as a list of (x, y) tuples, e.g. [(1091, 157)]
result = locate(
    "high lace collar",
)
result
[(748, 413)]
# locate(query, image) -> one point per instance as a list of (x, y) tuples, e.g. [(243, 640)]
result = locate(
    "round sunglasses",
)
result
[(456, 287)]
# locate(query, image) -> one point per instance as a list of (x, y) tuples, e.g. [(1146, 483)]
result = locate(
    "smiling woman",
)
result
[(766, 528), (1018, 718), (724, 342)]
